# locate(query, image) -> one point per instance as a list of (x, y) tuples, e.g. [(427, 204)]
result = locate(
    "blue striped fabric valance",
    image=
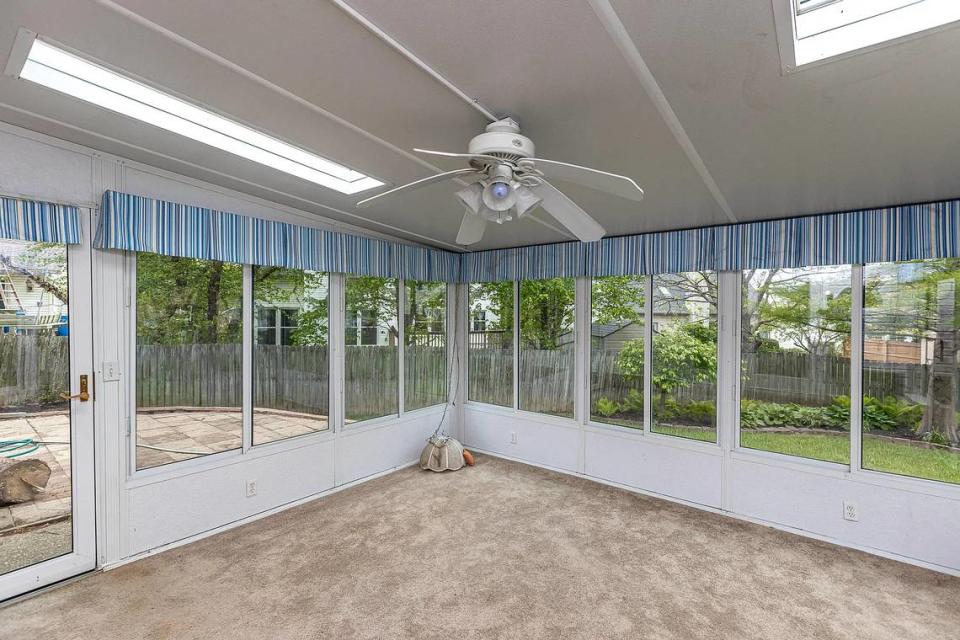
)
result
[(39, 221), (910, 232), (137, 223)]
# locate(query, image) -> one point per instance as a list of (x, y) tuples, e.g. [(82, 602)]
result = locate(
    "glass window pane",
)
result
[(291, 394), (795, 362), (35, 424), (425, 351), (616, 350), (910, 369), (547, 346), (490, 359), (371, 361), (684, 365), (189, 358)]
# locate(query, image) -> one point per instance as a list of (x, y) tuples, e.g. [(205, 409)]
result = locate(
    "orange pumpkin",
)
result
[(468, 458)]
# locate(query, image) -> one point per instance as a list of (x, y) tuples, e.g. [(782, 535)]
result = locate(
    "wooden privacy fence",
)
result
[(546, 379), (34, 369), (288, 378)]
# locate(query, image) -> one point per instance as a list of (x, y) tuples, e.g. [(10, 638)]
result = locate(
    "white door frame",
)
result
[(83, 556)]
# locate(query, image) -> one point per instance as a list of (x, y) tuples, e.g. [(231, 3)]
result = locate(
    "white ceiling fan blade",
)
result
[(423, 182), (471, 228), (470, 156), (567, 213), (592, 178)]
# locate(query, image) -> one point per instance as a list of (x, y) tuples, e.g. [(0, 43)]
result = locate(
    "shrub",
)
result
[(606, 407), (633, 403)]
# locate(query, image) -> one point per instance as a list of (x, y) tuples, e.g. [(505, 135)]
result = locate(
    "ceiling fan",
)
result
[(506, 181)]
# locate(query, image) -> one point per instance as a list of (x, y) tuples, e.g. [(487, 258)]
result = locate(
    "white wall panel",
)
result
[(178, 507), (689, 473), (892, 520), (541, 441), (32, 168)]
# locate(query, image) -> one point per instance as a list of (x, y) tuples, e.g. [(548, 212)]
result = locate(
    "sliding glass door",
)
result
[(46, 414)]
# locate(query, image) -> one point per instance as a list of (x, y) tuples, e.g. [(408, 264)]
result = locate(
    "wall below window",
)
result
[(913, 521)]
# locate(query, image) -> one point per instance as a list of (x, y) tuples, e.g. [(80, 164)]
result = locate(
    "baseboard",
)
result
[(257, 516), (732, 514)]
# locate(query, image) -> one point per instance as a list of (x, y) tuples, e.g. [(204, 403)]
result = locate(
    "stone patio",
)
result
[(193, 432)]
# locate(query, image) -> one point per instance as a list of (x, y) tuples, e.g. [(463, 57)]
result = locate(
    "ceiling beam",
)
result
[(615, 27), (394, 44)]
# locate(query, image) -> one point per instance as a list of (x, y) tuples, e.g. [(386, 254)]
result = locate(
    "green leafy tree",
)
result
[(546, 312), (187, 301)]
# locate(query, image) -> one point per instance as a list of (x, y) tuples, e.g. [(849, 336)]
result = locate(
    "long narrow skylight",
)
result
[(822, 29), (54, 68)]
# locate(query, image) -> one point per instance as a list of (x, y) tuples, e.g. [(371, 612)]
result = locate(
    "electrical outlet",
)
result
[(251, 488), (513, 437), (850, 511), (111, 371)]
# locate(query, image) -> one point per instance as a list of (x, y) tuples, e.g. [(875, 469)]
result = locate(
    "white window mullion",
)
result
[(856, 368), (516, 345), (647, 354), (336, 341), (401, 332), (247, 360)]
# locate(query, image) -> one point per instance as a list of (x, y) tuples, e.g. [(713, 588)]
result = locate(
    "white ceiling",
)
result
[(724, 133)]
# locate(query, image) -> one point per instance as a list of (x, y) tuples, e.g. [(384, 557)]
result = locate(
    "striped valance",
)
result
[(39, 221), (137, 223), (910, 232)]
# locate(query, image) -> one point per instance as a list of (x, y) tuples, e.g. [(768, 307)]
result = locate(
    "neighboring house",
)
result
[(25, 306)]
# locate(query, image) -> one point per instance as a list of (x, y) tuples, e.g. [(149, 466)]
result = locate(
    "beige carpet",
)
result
[(501, 550)]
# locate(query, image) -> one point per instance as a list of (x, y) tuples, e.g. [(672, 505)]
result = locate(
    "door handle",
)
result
[(84, 394)]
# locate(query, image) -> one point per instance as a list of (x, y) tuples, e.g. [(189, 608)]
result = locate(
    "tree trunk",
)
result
[(22, 480), (940, 415)]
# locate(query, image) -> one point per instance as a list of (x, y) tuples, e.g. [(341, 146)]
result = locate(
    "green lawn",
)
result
[(878, 454)]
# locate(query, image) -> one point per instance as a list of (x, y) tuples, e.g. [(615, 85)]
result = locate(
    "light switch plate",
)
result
[(111, 371)]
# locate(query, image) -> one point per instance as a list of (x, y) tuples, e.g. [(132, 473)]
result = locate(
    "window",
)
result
[(547, 346), (291, 367), (616, 350), (490, 349), (371, 359), (795, 362), (425, 344), (61, 71), (911, 369), (684, 358), (816, 30), (189, 356)]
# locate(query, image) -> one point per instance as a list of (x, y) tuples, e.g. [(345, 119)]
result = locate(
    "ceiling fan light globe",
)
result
[(499, 196)]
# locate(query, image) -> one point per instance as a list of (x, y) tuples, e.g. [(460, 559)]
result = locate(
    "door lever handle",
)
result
[(84, 394)]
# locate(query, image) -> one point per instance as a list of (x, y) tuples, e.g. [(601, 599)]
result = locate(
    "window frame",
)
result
[(893, 26), (336, 309)]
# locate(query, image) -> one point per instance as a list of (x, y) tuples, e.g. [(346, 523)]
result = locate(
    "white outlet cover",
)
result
[(850, 511)]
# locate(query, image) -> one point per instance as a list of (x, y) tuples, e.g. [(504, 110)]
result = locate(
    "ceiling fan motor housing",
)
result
[(502, 139)]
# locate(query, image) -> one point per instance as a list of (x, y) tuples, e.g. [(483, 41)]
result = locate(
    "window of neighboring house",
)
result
[(816, 30), (189, 358), (911, 370), (795, 362), (371, 359), (425, 344), (490, 344), (617, 349), (291, 369), (684, 360), (547, 353)]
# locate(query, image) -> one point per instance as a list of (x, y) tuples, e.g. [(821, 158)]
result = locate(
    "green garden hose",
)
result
[(17, 448)]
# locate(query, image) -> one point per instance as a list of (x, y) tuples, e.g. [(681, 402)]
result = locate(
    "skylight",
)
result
[(56, 69), (823, 29)]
